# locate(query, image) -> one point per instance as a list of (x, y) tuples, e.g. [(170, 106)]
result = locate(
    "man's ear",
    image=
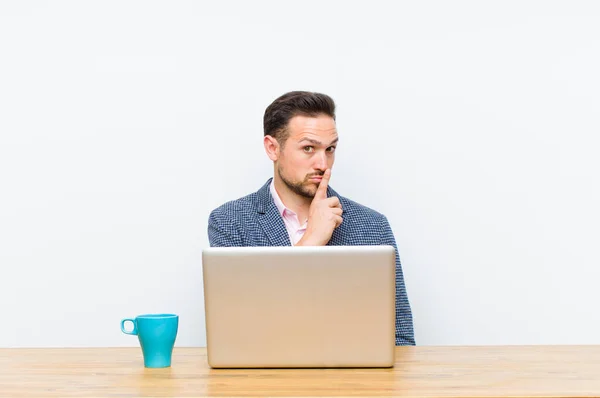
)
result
[(271, 147)]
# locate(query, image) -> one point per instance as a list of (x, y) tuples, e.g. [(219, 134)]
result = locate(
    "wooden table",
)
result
[(486, 371)]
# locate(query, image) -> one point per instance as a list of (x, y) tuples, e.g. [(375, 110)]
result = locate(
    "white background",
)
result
[(473, 126)]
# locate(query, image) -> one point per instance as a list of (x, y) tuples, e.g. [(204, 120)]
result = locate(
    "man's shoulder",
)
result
[(242, 205), (363, 224)]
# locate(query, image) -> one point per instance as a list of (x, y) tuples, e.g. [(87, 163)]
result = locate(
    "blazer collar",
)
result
[(270, 219)]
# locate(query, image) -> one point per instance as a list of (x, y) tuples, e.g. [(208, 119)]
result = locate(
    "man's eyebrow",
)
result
[(316, 142)]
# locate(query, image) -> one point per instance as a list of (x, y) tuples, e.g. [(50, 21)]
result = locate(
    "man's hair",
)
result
[(295, 103)]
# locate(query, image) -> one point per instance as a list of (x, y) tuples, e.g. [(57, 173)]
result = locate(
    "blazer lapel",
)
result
[(270, 220)]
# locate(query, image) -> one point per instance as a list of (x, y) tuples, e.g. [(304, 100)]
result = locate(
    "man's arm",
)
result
[(221, 231), (404, 321)]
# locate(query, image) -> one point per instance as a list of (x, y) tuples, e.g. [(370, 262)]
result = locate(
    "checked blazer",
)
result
[(254, 220)]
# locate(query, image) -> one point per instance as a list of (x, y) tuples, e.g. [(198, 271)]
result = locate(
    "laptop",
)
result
[(300, 307)]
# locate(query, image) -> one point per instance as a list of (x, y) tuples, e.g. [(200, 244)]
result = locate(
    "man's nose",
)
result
[(321, 161)]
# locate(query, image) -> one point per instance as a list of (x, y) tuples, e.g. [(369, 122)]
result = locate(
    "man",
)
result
[(297, 206)]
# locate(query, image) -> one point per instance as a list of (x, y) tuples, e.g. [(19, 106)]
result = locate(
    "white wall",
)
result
[(472, 125)]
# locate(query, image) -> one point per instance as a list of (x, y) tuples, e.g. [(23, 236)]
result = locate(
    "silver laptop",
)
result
[(284, 307)]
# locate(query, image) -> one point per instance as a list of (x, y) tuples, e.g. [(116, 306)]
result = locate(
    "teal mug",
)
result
[(157, 334)]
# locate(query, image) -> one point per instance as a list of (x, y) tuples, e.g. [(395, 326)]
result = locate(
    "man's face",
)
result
[(308, 151)]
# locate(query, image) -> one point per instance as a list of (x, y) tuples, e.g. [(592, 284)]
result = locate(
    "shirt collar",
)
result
[(280, 206)]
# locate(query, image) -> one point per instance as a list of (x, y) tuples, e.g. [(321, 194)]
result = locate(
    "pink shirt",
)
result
[(290, 219)]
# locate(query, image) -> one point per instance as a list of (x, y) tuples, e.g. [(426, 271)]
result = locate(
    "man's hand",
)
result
[(324, 215)]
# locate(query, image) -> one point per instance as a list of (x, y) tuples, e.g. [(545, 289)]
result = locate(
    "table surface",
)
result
[(422, 371)]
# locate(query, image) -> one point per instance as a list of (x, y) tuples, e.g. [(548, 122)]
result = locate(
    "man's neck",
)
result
[(296, 203)]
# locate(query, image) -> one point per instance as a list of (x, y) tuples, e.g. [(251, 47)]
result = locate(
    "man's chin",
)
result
[(310, 190)]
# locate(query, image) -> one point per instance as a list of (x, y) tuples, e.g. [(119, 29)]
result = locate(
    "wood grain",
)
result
[(485, 371)]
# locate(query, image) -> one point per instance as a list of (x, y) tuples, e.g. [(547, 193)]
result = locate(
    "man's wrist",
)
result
[(308, 240), (305, 241)]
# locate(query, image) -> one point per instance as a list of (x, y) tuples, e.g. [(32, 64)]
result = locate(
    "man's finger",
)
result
[(322, 189), (337, 211), (334, 201), (338, 221)]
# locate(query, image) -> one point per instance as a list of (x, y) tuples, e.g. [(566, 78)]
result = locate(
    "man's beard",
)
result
[(300, 188)]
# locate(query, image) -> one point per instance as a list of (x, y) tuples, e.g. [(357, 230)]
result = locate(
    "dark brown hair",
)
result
[(295, 103)]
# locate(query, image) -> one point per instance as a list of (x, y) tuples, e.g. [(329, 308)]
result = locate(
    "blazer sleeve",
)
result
[(404, 320), (222, 231)]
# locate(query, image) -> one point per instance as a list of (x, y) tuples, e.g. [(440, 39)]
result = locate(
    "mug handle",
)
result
[(134, 331)]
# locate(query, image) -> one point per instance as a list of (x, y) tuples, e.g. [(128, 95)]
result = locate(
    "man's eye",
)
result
[(331, 149), (308, 149)]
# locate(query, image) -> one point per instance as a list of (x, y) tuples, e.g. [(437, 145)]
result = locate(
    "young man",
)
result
[(297, 206)]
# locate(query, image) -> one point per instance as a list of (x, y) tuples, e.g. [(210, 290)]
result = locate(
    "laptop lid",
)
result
[(317, 306)]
